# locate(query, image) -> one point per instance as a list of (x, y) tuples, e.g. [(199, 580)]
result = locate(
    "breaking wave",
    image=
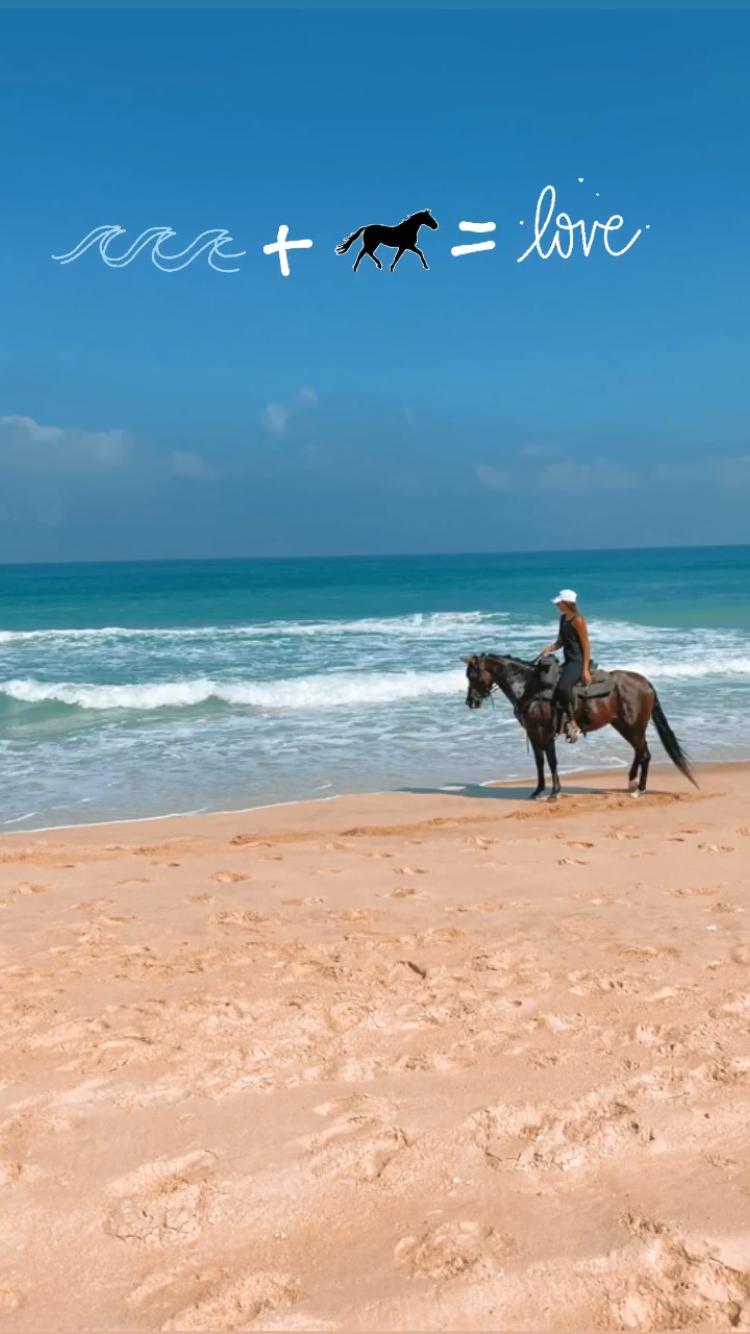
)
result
[(421, 624), (324, 691)]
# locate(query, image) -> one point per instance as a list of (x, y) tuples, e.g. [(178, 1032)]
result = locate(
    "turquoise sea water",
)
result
[(146, 688)]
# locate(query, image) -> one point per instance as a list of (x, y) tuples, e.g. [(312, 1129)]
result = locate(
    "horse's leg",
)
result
[(399, 253), (373, 256), (551, 754), (633, 774), (635, 737), (539, 757), (361, 254), (417, 251), (645, 762)]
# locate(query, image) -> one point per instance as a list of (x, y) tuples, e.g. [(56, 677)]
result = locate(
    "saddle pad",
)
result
[(602, 683)]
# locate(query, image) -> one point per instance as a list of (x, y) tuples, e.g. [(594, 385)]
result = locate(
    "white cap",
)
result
[(566, 595)]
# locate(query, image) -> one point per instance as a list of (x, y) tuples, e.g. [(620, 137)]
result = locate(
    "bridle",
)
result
[(479, 688)]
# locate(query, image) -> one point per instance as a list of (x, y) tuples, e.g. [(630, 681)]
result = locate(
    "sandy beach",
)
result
[(399, 1062)]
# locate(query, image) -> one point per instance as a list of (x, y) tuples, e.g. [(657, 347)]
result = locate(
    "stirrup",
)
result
[(572, 731)]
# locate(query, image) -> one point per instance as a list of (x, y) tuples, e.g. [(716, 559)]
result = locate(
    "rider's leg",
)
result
[(569, 677), (559, 707)]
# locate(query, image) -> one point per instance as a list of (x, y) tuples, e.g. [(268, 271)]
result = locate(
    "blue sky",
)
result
[(482, 405)]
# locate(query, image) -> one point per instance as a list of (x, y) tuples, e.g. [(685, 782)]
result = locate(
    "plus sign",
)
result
[(281, 245)]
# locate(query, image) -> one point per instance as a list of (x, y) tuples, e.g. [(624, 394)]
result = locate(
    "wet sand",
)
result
[(402, 1062)]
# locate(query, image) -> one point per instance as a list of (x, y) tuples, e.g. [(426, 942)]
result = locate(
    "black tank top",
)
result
[(571, 644)]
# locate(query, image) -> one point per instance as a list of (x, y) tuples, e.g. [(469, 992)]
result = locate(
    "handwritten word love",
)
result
[(563, 238)]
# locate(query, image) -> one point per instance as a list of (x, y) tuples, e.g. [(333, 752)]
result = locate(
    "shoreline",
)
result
[(598, 777), (662, 770)]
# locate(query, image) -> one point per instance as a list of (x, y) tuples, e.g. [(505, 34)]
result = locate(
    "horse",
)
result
[(401, 237), (631, 705)]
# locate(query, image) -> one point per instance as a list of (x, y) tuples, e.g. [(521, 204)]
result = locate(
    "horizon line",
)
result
[(371, 555)]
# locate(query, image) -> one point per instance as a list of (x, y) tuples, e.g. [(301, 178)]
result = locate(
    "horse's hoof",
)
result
[(634, 793), (633, 785), (536, 795), (552, 796)]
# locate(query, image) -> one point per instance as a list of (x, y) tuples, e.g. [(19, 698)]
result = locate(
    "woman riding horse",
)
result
[(573, 639)]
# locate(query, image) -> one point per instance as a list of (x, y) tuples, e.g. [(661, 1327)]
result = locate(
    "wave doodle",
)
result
[(211, 240)]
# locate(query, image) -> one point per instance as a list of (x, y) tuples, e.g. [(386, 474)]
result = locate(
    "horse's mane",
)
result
[(507, 657)]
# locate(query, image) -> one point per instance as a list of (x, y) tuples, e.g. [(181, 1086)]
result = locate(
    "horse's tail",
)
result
[(670, 742), (342, 249)]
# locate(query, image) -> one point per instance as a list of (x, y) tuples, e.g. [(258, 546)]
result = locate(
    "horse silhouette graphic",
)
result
[(401, 237)]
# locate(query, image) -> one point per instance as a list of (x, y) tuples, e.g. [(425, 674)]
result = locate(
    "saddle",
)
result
[(548, 675)]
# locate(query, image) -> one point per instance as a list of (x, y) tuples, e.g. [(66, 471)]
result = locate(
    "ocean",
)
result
[(142, 689)]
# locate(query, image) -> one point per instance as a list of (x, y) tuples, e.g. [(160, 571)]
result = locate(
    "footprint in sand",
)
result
[(487, 905), (11, 1299), (648, 952), (228, 877), (716, 847), (199, 898), (663, 1281), (234, 1303), (13, 1172), (354, 1147), (212, 1298), (454, 1248), (700, 891), (365, 1105), (248, 920), (165, 1201), (588, 984), (579, 1136)]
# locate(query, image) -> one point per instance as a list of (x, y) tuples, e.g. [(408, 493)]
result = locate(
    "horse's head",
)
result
[(426, 217), (480, 681)]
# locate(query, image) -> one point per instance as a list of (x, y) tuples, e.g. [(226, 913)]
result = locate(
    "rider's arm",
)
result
[(551, 648), (583, 635)]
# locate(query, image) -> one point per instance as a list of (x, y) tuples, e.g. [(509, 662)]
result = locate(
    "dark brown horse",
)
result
[(632, 704)]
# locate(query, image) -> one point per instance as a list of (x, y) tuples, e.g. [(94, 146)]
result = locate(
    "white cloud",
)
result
[(59, 446), (275, 416)]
